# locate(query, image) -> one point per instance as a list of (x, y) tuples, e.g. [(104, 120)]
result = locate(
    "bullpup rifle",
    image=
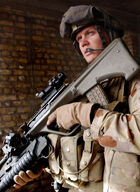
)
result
[(33, 148)]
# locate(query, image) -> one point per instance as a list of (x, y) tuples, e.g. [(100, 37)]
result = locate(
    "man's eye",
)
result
[(91, 32), (78, 39)]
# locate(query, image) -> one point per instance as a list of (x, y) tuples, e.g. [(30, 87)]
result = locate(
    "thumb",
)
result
[(51, 118)]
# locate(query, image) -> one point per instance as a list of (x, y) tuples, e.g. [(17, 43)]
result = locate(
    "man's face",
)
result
[(89, 38)]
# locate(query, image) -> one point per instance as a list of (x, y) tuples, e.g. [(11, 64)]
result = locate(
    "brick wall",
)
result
[(31, 52), (132, 41)]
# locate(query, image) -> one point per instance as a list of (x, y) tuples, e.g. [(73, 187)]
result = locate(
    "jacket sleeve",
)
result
[(119, 131)]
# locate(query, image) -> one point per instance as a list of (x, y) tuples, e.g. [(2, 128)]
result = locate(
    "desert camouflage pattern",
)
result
[(119, 134)]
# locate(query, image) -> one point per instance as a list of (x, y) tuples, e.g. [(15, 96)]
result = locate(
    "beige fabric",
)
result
[(119, 134), (69, 157), (53, 160), (90, 187), (68, 166), (92, 159)]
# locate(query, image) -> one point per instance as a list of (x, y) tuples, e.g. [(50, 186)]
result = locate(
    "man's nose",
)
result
[(84, 42)]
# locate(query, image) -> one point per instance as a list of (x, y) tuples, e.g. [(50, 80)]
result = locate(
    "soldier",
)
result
[(115, 129)]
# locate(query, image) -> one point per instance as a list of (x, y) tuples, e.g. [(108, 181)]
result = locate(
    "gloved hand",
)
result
[(24, 177), (71, 114)]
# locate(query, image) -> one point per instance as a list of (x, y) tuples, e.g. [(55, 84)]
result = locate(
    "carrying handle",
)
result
[(49, 130)]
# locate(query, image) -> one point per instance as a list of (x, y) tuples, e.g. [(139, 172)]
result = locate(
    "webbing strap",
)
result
[(121, 91), (94, 151), (121, 98)]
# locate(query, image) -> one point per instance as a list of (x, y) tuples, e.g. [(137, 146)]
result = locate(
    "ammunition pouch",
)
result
[(76, 159)]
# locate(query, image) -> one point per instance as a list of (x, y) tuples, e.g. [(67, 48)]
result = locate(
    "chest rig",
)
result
[(78, 159)]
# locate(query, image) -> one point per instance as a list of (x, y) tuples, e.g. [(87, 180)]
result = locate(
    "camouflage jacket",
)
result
[(119, 134)]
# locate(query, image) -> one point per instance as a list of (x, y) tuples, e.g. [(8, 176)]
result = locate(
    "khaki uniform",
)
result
[(118, 133)]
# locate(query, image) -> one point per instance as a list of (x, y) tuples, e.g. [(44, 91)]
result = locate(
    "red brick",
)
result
[(36, 27), (37, 21), (5, 47), (3, 65), (23, 60), (53, 61), (7, 118), (4, 16), (23, 109), (5, 72), (9, 124), (22, 97), (8, 59), (20, 25), (12, 78), (6, 22), (16, 103), (20, 72), (6, 35), (38, 38), (21, 19), (15, 53), (7, 91), (2, 111), (24, 116), (5, 53), (21, 48), (21, 37), (7, 97), (11, 110), (39, 73), (14, 17)]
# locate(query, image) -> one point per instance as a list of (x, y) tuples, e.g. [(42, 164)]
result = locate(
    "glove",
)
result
[(24, 177), (71, 114)]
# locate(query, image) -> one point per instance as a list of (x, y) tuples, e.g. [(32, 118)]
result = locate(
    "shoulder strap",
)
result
[(121, 97)]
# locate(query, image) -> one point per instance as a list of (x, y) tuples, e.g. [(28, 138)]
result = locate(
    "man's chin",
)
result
[(90, 59)]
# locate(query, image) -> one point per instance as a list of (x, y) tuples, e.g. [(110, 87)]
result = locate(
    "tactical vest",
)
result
[(78, 160)]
